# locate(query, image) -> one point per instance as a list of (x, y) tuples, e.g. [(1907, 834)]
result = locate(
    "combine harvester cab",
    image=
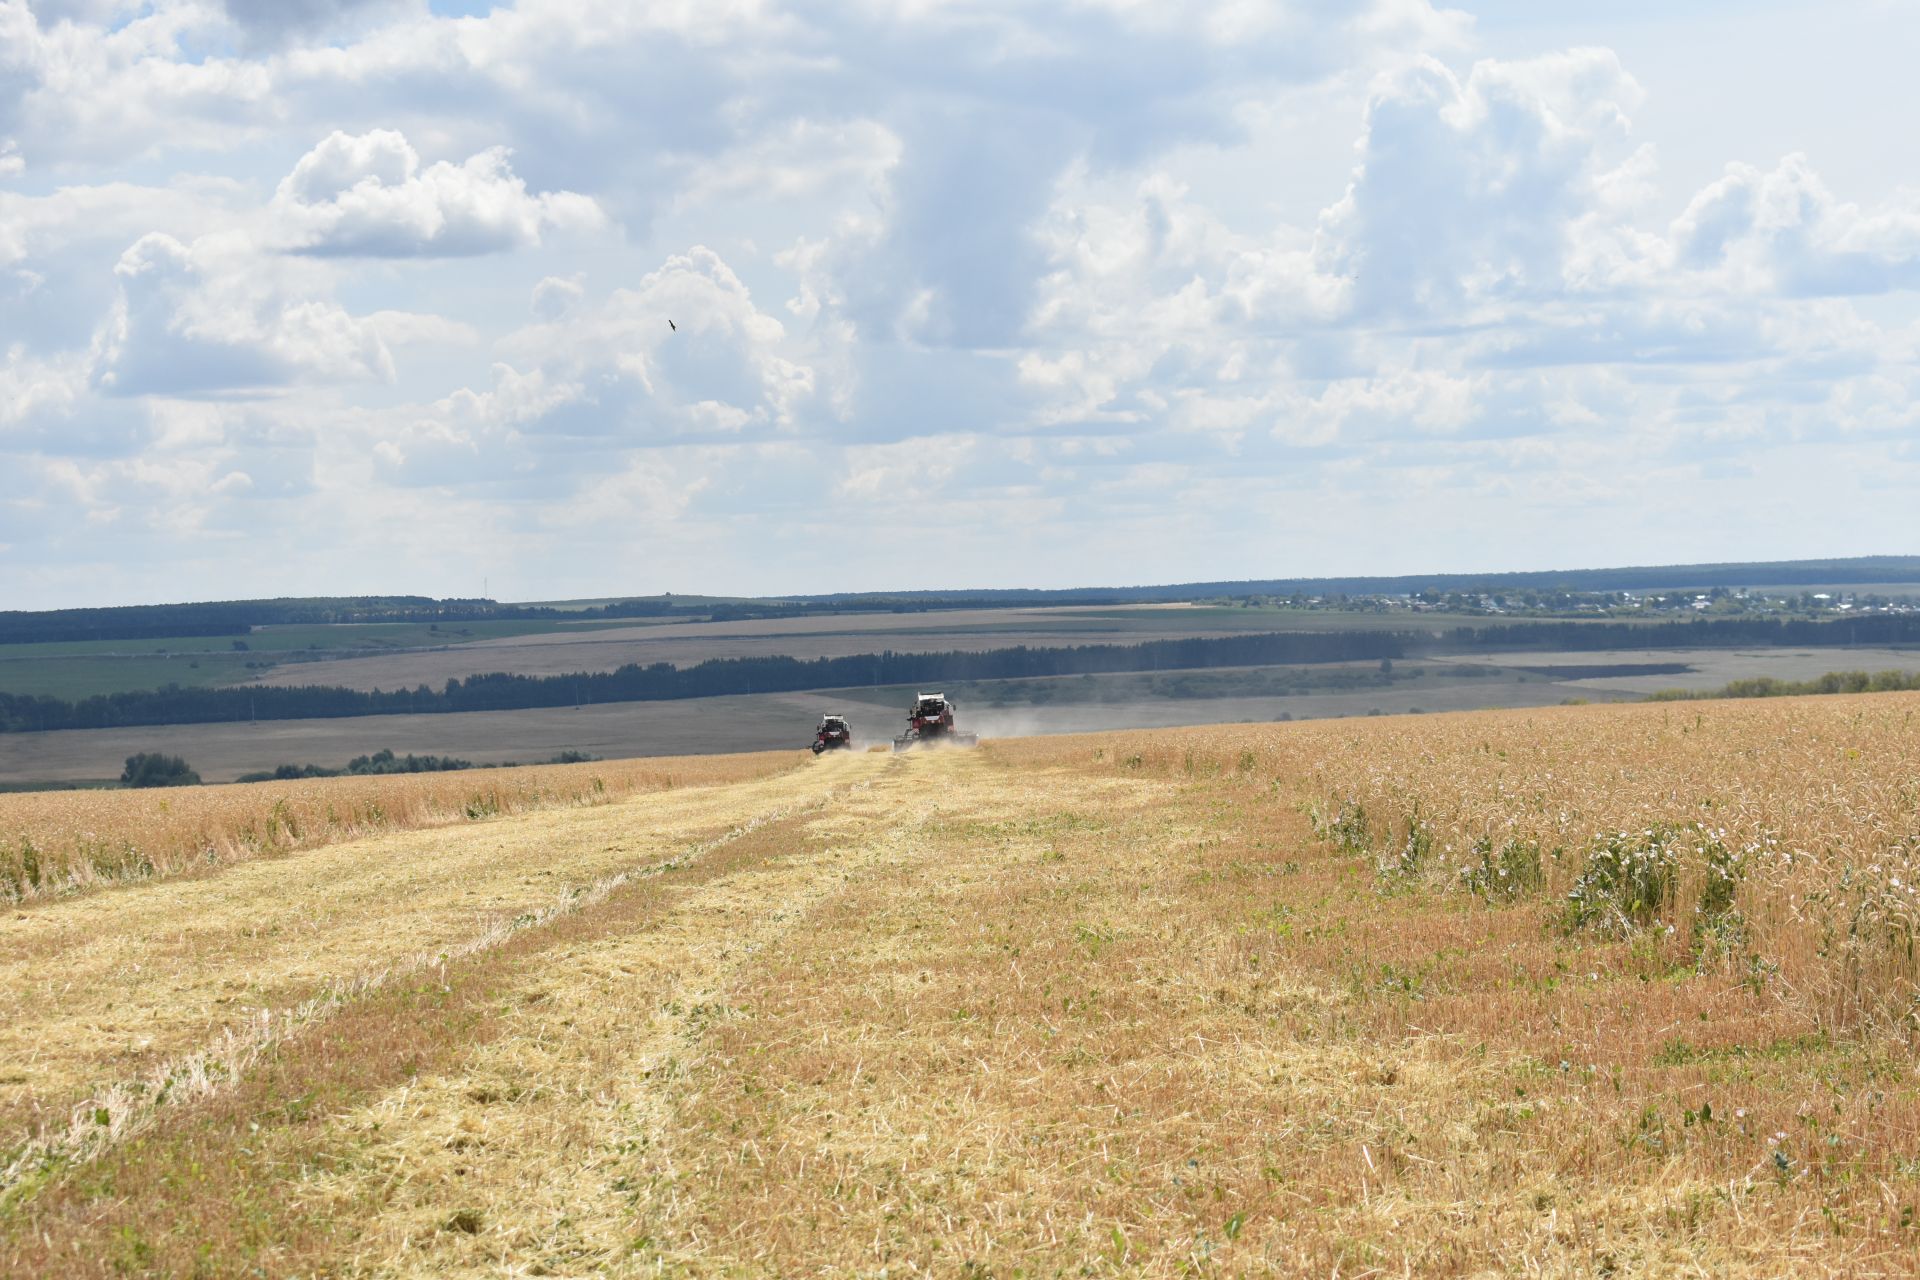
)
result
[(930, 723), (834, 734)]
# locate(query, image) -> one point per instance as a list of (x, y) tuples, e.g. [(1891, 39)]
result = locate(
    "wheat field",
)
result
[(1780, 834), (1585, 991), (54, 843)]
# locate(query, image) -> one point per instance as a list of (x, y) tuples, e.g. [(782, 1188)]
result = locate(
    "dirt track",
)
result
[(101, 988)]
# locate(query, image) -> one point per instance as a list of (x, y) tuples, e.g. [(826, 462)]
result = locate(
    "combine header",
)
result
[(834, 734), (930, 723)]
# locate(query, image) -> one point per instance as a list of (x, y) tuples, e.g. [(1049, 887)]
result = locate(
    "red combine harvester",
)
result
[(930, 723), (834, 734)]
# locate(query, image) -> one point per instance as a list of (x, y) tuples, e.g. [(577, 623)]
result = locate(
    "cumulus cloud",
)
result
[(799, 159), (33, 390), (76, 91), (554, 296), (1468, 189), (614, 377), (951, 259), (1486, 257), (20, 71), (1061, 263), (369, 196), (193, 490), (271, 22), (203, 318), (1151, 301), (1782, 230), (473, 437), (57, 251), (721, 366)]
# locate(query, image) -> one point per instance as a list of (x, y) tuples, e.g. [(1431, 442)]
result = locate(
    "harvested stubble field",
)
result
[(54, 843), (1245, 1000)]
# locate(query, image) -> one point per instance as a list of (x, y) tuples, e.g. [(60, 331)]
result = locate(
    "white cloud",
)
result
[(902, 476), (37, 228), (682, 358), (1782, 231), (1060, 263), (19, 71), (78, 92), (554, 296), (32, 389), (269, 22), (207, 318), (675, 353), (797, 160), (368, 196), (1468, 189), (473, 436), (1490, 230)]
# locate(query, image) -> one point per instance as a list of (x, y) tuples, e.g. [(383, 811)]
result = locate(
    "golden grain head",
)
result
[(1808, 809)]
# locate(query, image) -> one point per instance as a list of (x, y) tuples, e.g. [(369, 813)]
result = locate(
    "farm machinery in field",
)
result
[(834, 734), (930, 723)]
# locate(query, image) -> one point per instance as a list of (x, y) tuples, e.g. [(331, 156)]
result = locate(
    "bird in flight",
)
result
[(671, 325)]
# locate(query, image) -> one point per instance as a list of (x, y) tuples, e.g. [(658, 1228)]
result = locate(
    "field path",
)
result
[(564, 1137), (98, 989), (533, 1134)]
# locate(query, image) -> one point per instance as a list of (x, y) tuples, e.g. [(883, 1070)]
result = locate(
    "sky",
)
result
[(304, 297)]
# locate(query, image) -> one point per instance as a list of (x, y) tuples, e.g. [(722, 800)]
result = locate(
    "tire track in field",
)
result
[(130, 1106), (528, 1149)]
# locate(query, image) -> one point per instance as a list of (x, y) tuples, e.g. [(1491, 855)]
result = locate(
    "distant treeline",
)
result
[(233, 617), (382, 761), (385, 761), (662, 681), (1770, 687), (237, 617)]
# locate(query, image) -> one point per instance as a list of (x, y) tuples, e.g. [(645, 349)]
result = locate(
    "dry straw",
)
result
[(1778, 838), (128, 1107), (61, 842)]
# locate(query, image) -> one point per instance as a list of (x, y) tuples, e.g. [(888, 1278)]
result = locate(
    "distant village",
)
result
[(1715, 602)]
